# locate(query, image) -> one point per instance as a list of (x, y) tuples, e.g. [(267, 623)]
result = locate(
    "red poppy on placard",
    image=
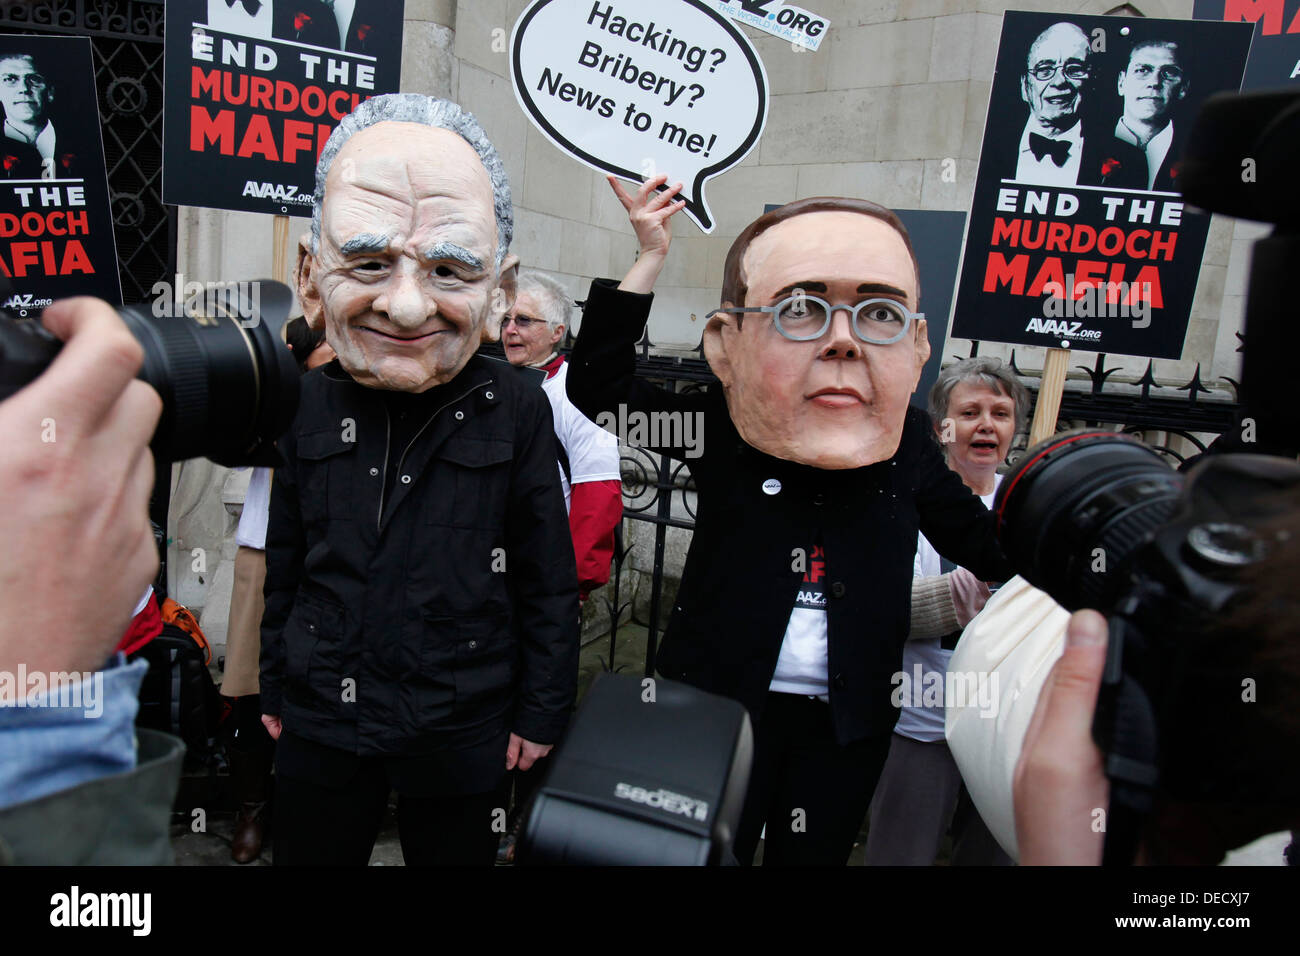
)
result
[(67, 159), (1109, 166), (363, 31), (10, 162), (1175, 169), (300, 20)]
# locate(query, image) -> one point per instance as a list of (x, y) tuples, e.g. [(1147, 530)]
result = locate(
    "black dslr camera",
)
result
[(228, 383), (1097, 520)]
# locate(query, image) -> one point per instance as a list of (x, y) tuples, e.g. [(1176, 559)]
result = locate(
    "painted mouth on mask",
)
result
[(402, 338), (837, 398)]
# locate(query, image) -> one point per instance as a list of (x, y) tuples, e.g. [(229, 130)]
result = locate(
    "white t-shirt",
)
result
[(257, 504), (801, 665), (592, 451), (925, 662)]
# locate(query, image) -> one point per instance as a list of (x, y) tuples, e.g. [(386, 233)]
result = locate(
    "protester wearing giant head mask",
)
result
[(813, 477), (396, 654)]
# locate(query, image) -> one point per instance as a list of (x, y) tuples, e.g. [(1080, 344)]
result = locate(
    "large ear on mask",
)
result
[(922, 349), (718, 331), (503, 299), (304, 277)]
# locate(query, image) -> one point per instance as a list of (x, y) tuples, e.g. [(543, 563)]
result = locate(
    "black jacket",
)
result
[(450, 619), (740, 581)]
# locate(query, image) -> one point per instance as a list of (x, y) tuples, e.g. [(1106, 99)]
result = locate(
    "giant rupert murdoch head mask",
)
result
[(407, 260), (818, 344)]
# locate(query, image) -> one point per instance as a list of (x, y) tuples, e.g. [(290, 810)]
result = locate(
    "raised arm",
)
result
[(651, 214), (602, 379)]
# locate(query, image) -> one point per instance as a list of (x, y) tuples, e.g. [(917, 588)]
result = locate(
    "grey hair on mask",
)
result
[(980, 370), (553, 301), (427, 111)]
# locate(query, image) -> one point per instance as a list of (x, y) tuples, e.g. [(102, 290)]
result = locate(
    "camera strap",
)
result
[(1125, 729)]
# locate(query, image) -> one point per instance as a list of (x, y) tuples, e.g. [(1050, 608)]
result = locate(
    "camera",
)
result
[(228, 383), (1098, 520)]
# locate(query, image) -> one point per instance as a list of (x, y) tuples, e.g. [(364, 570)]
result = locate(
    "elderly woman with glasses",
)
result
[(813, 478), (977, 406)]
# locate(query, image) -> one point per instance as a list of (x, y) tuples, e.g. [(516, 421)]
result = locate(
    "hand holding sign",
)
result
[(637, 89), (650, 214)]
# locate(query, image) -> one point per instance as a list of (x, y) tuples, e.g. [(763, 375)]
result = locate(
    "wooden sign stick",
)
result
[(280, 249), (1048, 406)]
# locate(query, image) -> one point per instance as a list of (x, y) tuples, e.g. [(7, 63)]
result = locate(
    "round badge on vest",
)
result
[(772, 486)]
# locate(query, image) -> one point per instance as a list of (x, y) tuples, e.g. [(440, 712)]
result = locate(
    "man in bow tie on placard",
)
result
[(1054, 147)]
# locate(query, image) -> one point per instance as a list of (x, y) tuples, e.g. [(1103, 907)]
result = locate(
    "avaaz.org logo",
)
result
[(278, 192), (665, 800), (1059, 328)]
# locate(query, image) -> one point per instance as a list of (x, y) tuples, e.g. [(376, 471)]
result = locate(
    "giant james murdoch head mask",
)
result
[(834, 401), (408, 259)]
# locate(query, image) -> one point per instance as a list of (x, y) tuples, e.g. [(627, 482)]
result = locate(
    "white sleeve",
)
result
[(257, 505), (592, 451)]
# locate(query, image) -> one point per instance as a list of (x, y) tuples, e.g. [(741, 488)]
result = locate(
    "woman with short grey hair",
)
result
[(977, 382), (977, 405)]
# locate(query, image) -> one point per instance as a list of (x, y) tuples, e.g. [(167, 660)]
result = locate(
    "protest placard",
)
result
[(1275, 50), (1078, 236), (639, 88), (56, 224), (253, 89)]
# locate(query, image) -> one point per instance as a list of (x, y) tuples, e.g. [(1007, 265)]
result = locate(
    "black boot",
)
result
[(250, 774)]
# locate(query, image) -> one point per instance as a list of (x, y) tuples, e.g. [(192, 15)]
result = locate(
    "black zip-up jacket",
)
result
[(440, 615), (742, 573)]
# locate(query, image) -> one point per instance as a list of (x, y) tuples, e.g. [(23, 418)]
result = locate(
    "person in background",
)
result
[(977, 406), (590, 476), (589, 471), (252, 751)]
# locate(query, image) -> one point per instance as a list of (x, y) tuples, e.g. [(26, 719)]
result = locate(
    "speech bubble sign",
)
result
[(641, 87)]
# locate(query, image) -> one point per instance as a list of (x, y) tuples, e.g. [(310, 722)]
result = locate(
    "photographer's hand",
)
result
[(75, 480), (1061, 794)]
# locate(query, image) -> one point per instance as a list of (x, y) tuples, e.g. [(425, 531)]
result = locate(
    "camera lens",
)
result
[(1071, 516), (229, 385)]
